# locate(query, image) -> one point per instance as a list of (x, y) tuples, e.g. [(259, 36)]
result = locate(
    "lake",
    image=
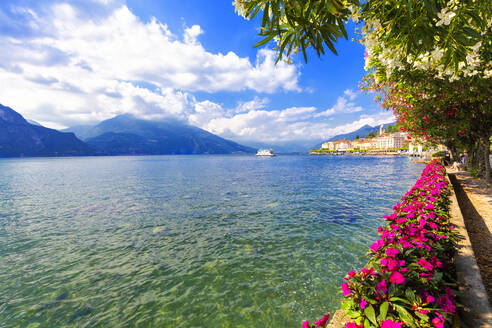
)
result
[(187, 241)]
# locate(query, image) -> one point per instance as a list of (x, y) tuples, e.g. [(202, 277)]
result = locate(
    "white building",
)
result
[(391, 140)]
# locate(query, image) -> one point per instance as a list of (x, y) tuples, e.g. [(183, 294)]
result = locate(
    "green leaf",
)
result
[(369, 312), (383, 310), (404, 315), (422, 316), (399, 299), (429, 5), (265, 15), (330, 45), (352, 314), (253, 14), (341, 25), (410, 294), (303, 46), (264, 41)]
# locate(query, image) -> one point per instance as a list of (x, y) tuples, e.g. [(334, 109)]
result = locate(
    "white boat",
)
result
[(265, 152)]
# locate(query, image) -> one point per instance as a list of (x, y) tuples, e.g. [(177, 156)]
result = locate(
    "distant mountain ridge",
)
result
[(19, 138), (361, 132), (128, 135)]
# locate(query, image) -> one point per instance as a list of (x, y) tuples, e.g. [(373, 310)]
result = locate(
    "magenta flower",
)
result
[(381, 287), (393, 264), (390, 324), (425, 264), (305, 324), (397, 278), (363, 303), (377, 245), (345, 289), (352, 325), (446, 302), (392, 252)]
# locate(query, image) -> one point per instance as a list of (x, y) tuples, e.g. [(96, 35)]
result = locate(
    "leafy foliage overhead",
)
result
[(298, 25)]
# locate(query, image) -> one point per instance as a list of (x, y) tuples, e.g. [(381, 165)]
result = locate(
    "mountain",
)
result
[(20, 138), (361, 132), (128, 135), (81, 131), (33, 122)]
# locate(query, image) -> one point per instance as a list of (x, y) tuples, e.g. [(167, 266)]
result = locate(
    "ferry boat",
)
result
[(265, 152)]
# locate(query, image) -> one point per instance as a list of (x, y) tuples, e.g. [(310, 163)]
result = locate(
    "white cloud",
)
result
[(246, 106), (80, 70), (350, 94), (296, 123), (343, 105), (191, 34)]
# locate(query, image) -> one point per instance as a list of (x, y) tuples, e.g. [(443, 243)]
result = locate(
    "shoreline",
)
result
[(383, 154)]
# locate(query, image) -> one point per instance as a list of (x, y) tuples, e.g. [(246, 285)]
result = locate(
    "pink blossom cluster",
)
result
[(405, 277), (320, 323)]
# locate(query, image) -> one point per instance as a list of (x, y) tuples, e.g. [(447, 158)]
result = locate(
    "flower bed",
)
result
[(409, 280)]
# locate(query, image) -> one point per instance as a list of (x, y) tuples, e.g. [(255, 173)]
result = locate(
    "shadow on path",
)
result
[(481, 238)]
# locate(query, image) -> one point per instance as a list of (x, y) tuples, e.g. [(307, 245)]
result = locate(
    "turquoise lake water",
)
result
[(187, 241)]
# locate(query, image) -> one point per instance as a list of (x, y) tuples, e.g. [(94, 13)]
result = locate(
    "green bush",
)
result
[(440, 153)]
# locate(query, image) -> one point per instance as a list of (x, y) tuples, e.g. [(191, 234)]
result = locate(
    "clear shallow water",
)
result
[(186, 241)]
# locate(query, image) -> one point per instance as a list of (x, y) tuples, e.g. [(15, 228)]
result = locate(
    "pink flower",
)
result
[(322, 322), (363, 303), (429, 206), (437, 323), (446, 302), (352, 325), (397, 278), (393, 264), (392, 252), (426, 265), (305, 324), (377, 245), (381, 287), (390, 324), (345, 289)]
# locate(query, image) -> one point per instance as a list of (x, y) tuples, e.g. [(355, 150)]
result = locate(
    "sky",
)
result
[(66, 63)]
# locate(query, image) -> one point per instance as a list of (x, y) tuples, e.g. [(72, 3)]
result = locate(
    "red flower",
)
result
[(322, 322)]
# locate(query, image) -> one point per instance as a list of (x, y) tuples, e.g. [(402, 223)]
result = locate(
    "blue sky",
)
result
[(66, 63)]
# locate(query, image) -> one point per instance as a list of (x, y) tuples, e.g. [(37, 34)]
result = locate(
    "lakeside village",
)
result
[(386, 142)]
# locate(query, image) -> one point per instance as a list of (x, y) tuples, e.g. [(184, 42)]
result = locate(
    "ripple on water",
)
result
[(186, 241)]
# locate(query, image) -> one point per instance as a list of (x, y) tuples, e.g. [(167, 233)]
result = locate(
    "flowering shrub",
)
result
[(320, 323), (408, 281)]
